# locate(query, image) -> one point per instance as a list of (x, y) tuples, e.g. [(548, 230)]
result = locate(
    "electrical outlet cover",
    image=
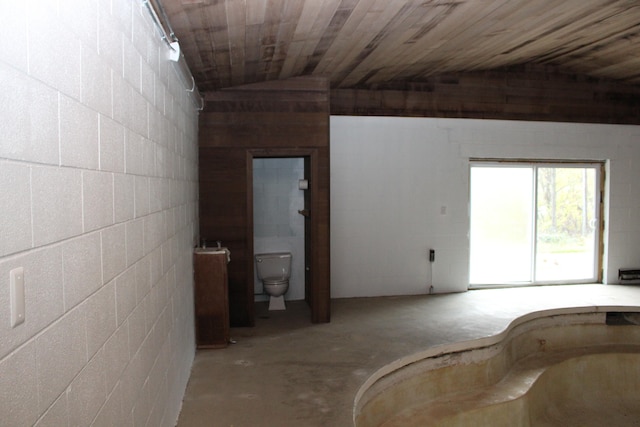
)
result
[(16, 282)]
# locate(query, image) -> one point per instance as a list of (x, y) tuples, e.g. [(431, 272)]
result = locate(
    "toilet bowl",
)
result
[(274, 270)]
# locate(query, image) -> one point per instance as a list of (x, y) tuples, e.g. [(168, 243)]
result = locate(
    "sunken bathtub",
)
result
[(552, 368)]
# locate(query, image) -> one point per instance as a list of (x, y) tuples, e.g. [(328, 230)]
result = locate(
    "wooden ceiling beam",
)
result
[(538, 93)]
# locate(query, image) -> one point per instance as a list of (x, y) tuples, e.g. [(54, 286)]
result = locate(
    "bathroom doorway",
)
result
[(278, 221), (303, 234)]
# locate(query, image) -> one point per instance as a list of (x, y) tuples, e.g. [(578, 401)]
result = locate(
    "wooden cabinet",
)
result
[(211, 297)]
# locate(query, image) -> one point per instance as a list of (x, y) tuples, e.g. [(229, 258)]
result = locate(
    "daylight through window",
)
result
[(535, 223)]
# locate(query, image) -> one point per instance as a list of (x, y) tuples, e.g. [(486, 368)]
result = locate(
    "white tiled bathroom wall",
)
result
[(277, 225), (98, 196)]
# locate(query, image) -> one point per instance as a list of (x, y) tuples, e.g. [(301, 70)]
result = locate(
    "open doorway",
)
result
[(302, 229), (278, 225)]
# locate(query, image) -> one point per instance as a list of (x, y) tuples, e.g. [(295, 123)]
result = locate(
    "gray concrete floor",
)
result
[(288, 372)]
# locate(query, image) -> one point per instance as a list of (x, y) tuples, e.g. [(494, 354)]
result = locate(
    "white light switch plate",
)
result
[(16, 283)]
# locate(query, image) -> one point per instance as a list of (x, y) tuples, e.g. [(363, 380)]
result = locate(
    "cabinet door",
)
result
[(211, 300)]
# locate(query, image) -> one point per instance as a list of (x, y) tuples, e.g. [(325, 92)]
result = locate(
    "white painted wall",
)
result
[(277, 225), (399, 186), (98, 203)]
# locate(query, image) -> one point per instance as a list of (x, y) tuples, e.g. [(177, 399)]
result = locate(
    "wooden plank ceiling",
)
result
[(370, 43)]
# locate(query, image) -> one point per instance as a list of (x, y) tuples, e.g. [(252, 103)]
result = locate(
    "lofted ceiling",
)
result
[(367, 43)]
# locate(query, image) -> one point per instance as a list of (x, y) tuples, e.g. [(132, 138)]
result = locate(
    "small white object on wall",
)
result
[(16, 292), (303, 184), (174, 53)]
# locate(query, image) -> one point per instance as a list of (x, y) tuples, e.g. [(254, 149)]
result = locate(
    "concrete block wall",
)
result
[(400, 186), (98, 196)]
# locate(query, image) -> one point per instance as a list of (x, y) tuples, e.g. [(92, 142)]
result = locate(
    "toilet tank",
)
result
[(277, 264)]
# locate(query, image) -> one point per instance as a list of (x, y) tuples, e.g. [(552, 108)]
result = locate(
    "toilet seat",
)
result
[(275, 281)]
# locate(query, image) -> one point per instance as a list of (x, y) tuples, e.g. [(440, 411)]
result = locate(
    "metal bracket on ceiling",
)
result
[(161, 21)]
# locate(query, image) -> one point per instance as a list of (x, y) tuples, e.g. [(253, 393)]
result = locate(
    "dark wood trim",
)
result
[(603, 178), (249, 261), (533, 93)]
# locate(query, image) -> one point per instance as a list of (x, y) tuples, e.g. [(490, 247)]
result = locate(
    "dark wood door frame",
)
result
[(311, 225)]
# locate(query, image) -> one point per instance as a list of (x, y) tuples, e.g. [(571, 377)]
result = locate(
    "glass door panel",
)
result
[(501, 225), (566, 224)]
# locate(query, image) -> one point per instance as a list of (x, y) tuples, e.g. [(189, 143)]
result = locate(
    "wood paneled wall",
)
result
[(538, 93), (287, 118)]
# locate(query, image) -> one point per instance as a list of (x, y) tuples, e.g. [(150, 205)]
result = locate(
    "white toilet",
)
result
[(274, 270)]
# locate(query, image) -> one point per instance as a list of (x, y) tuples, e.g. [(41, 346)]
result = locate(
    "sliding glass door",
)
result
[(534, 223)]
